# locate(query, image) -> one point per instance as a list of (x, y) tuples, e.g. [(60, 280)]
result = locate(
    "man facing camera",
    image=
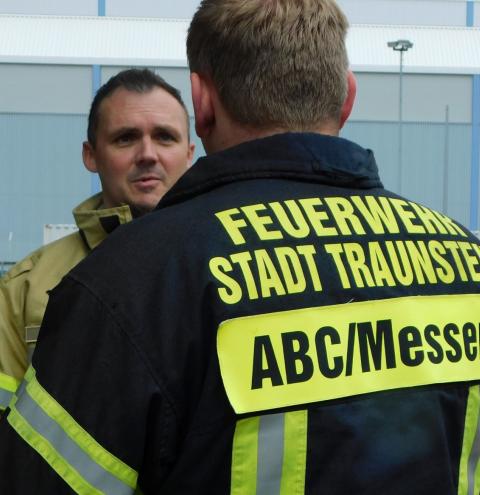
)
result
[(138, 143)]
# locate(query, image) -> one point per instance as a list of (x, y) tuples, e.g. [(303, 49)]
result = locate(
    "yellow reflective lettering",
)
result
[(402, 268), (421, 262), (453, 247), (471, 260), (268, 275), (243, 259), (407, 216), (450, 224), (259, 222), (445, 272), (378, 214), (429, 219), (381, 270), (308, 252), (343, 213), (232, 226), (291, 270), (298, 228), (232, 292), (317, 217), (336, 250), (356, 261)]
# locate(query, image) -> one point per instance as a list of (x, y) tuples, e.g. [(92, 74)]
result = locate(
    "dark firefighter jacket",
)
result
[(24, 289), (281, 325)]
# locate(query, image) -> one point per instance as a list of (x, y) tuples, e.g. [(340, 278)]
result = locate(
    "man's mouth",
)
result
[(147, 181)]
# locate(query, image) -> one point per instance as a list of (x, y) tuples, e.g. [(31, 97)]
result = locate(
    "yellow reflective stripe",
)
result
[(45, 449), (8, 383), (294, 453), (316, 354), (259, 443), (84, 440), (244, 457), (470, 475), (8, 386)]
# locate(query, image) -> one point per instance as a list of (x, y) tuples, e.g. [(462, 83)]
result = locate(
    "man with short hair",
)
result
[(138, 142), (308, 332)]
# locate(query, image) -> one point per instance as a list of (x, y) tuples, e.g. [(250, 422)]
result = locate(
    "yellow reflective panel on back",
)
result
[(315, 354)]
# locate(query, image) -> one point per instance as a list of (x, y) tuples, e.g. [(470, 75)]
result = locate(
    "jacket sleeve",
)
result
[(13, 352), (81, 419)]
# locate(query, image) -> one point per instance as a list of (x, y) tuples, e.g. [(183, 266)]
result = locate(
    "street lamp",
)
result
[(400, 46)]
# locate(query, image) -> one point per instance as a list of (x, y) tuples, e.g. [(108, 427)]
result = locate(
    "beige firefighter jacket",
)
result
[(24, 289)]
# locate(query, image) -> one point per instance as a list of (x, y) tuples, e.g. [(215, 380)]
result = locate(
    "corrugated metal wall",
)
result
[(417, 12), (42, 177), (435, 158), (42, 120)]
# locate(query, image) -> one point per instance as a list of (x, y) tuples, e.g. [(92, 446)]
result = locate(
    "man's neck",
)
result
[(234, 134)]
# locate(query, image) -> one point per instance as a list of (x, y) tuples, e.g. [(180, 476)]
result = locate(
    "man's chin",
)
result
[(139, 210)]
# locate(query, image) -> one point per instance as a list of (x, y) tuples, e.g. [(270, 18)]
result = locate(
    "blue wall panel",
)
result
[(475, 161), (425, 156), (42, 177)]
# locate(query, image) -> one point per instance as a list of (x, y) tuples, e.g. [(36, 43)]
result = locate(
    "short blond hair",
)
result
[(275, 63)]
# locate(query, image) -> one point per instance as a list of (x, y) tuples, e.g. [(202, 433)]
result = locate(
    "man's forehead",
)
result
[(123, 103)]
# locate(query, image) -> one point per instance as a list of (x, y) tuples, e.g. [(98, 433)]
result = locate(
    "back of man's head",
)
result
[(275, 63), (135, 80)]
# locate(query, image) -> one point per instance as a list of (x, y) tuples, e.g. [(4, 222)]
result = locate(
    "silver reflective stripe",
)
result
[(473, 460), (5, 398), (270, 454), (21, 388), (68, 449), (31, 334)]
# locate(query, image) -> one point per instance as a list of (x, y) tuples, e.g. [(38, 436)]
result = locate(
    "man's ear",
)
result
[(202, 105), (191, 150), (350, 99), (88, 155)]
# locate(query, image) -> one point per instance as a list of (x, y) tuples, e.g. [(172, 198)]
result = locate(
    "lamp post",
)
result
[(400, 46)]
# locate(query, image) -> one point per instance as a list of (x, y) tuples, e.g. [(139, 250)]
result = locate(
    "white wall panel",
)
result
[(49, 7), (424, 97), (183, 9), (416, 12), (45, 89), (376, 97)]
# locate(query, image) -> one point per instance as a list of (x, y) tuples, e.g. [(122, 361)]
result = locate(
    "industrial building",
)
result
[(418, 109)]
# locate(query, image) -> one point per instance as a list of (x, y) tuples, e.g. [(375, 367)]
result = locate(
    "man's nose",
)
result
[(147, 153)]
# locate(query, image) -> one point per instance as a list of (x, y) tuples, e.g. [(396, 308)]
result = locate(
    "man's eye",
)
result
[(124, 138), (165, 136)]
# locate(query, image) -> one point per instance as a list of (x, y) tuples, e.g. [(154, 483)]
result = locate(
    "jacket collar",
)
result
[(300, 156), (95, 222)]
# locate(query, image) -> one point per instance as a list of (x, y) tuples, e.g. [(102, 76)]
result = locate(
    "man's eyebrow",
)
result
[(135, 130), (166, 128), (124, 130)]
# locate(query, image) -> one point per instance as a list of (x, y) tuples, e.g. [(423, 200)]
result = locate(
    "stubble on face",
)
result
[(142, 147)]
